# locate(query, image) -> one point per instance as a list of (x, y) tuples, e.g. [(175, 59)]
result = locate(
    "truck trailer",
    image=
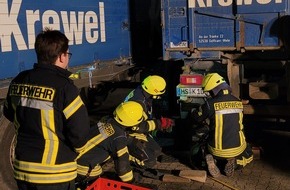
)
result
[(246, 41)]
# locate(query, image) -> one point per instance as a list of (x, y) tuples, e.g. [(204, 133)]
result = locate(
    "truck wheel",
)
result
[(7, 144)]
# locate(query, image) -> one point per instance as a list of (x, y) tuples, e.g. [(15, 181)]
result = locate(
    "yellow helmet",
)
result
[(211, 81), (129, 113), (154, 85)]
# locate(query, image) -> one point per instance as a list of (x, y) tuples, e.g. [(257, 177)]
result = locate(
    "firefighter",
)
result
[(49, 116), (151, 88), (109, 140), (143, 149), (145, 135), (222, 116)]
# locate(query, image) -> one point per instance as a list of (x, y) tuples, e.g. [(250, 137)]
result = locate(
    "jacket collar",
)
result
[(59, 70)]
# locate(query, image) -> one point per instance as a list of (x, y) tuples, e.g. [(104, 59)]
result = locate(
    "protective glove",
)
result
[(167, 123)]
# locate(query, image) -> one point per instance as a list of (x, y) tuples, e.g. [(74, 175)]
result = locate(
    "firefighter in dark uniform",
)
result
[(226, 141), (109, 140), (143, 149), (49, 116), (151, 88)]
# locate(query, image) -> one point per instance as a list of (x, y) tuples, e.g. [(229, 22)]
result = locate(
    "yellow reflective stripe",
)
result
[(227, 153), (145, 116), (244, 161), (84, 170), (127, 177), (108, 158), (136, 160), (122, 151), (73, 107), (49, 134), (218, 131), (242, 138), (43, 168), (96, 171), (140, 136), (45, 178), (151, 125), (89, 145), (241, 121)]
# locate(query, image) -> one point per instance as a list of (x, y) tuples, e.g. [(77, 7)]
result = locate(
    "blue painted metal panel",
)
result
[(259, 30), (213, 27), (269, 6), (97, 30), (224, 25), (175, 29)]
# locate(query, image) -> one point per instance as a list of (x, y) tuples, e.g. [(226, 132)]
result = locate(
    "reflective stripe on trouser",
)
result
[(227, 153), (246, 157), (43, 173), (45, 178), (90, 172), (244, 161), (127, 177)]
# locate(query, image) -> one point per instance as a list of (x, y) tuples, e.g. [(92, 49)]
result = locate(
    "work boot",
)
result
[(230, 167), (212, 168)]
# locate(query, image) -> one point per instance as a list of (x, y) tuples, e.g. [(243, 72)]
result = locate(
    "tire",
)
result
[(7, 142)]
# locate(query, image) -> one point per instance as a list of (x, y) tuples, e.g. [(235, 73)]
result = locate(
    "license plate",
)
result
[(185, 90)]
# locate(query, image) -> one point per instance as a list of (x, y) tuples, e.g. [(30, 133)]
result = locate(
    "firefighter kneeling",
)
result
[(109, 139), (225, 139)]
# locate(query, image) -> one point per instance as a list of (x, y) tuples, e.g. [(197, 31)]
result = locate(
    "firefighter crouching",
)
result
[(151, 89), (227, 148), (108, 139), (143, 149)]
